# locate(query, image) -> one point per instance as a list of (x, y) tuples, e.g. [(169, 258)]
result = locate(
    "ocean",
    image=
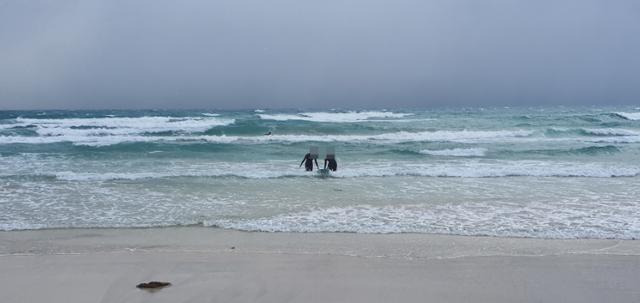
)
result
[(543, 172)]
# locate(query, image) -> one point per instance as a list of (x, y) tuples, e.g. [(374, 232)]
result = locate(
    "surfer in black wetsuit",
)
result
[(308, 162), (332, 164)]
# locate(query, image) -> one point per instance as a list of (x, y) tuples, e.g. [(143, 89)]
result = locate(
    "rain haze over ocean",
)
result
[(355, 54), (498, 118)]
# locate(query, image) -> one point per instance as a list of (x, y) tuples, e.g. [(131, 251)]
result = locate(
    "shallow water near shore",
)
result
[(522, 172)]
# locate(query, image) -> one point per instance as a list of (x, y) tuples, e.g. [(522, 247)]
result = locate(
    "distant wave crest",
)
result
[(456, 152), (337, 117), (592, 132), (79, 137), (114, 126), (628, 116)]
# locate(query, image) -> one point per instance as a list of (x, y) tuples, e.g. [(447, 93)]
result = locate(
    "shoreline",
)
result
[(233, 230), (212, 265), (192, 235)]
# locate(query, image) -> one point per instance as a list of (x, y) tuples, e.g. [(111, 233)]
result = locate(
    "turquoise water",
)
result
[(526, 172)]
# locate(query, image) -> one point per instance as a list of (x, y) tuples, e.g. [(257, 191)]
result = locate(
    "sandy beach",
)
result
[(214, 265)]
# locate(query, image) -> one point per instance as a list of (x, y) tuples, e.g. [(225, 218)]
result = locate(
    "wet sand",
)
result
[(214, 265)]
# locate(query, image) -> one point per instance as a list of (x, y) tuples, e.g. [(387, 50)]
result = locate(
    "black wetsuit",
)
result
[(308, 162), (333, 165)]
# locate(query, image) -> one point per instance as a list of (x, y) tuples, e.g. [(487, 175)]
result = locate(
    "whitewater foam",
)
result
[(598, 132), (345, 117), (538, 220), (284, 169), (456, 152), (86, 137), (121, 126), (629, 116), (611, 132)]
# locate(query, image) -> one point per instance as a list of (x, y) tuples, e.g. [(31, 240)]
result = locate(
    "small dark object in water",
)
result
[(233, 247), (153, 285)]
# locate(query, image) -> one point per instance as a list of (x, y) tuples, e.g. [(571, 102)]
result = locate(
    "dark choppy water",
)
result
[(531, 172)]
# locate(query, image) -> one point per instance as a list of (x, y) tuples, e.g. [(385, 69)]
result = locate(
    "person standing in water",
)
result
[(308, 162), (330, 159), (332, 164)]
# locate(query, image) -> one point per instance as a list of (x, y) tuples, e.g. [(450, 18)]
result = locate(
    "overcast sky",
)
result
[(330, 53)]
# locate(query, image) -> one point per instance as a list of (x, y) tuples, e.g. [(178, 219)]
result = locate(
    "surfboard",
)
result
[(323, 173)]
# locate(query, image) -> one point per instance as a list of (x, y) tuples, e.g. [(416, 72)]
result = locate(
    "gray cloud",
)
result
[(296, 53)]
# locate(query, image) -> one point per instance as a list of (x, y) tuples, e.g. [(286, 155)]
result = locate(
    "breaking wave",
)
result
[(628, 116), (456, 152), (80, 137), (334, 117), (113, 126), (537, 220), (592, 132)]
